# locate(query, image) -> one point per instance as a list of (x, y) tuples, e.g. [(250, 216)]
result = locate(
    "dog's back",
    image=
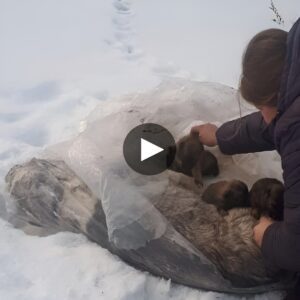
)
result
[(225, 240)]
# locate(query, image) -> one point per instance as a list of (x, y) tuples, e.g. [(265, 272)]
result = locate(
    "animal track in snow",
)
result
[(124, 35)]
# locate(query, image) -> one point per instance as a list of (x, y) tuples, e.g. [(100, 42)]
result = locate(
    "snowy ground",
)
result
[(58, 60)]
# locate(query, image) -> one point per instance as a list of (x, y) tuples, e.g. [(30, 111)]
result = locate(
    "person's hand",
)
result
[(260, 228), (207, 134)]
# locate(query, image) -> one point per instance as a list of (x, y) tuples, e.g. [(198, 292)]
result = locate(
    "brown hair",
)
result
[(262, 67)]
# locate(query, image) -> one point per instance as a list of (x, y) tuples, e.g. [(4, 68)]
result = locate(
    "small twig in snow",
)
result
[(278, 19)]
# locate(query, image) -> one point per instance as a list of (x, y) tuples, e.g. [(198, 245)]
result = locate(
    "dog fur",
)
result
[(266, 198), (193, 160), (226, 195)]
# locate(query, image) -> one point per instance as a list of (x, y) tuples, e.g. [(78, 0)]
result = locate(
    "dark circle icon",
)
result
[(149, 149)]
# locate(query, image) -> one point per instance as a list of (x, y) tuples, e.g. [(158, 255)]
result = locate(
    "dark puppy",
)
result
[(226, 195), (266, 197), (192, 160)]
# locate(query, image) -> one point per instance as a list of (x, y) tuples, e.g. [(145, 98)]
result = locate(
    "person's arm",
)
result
[(281, 240), (245, 135), (281, 247)]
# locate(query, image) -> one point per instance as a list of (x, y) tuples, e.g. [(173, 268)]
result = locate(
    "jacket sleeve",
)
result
[(245, 135), (281, 241)]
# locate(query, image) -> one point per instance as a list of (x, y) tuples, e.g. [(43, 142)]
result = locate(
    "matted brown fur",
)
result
[(226, 240)]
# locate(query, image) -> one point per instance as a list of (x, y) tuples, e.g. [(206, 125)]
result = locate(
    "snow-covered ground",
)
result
[(59, 59)]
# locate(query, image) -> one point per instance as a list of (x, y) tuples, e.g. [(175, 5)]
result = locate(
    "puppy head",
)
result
[(266, 197), (236, 195), (213, 194), (209, 164), (188, 150), (227, 194)]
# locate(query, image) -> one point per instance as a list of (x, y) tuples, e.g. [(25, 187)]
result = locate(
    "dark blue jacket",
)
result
[(281, 241)]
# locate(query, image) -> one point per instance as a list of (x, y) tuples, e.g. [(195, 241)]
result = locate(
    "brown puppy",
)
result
[(226, 195), (192, 160), (266, 197)]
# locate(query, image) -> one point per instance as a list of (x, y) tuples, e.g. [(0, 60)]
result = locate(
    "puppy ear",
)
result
[(237, 196)]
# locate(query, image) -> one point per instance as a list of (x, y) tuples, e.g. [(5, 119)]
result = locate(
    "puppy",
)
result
[(266, 198), (192, 160), (226, 195)]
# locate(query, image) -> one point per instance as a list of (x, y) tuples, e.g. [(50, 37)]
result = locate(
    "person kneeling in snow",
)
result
[(270, 81)]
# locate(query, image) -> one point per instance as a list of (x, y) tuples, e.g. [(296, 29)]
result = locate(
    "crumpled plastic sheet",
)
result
[(96, 153), (137, 231)]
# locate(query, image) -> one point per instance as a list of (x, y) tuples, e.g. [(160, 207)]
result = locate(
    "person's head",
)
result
[(262, 66)]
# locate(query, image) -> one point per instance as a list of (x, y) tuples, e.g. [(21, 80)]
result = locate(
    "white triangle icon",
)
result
[(149, 149)]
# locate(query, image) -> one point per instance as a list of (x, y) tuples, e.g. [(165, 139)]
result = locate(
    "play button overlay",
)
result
[(149, 149)]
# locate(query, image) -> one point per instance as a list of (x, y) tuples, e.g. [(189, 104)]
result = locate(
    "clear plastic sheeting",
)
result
[(96, 153)]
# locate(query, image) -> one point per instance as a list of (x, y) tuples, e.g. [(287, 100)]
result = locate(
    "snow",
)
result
[(61, 58), (68, 266)]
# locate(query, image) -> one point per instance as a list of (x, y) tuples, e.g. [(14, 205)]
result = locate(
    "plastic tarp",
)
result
[(118, 208), (96, 153)]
